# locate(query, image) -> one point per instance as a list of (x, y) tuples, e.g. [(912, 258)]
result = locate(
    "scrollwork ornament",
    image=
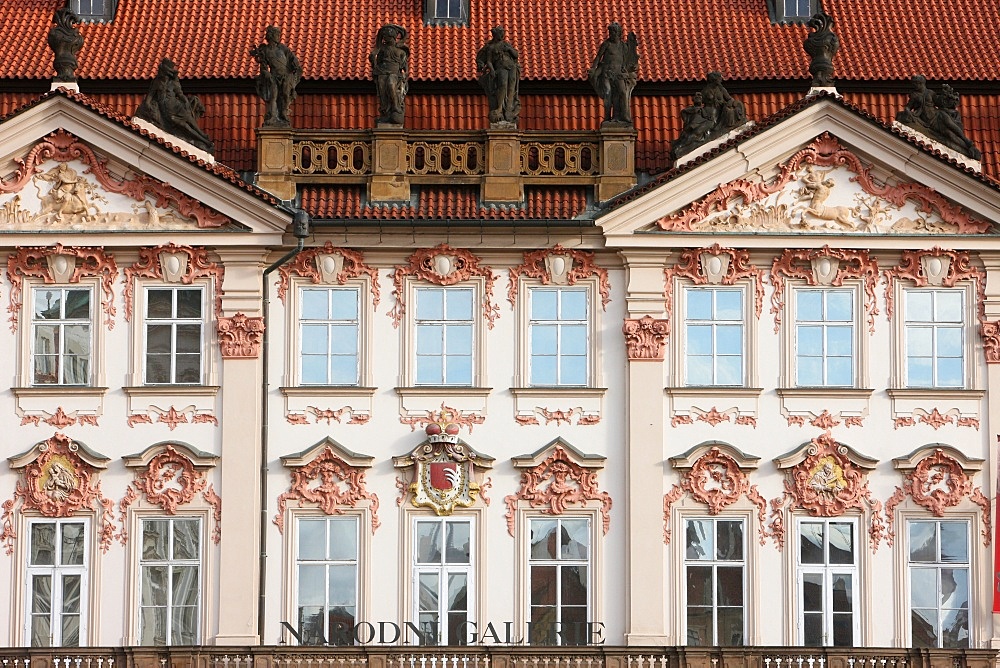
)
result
[(195, 265), (645, 338), (341, 264), (715, 264), (559, 266), (240, 336)]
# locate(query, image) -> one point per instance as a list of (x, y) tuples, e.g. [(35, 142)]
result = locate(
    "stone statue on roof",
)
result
[(936, 115), (65, 41), (613, 74), (390, 59), (168, 108), (280, 73), (713, 113), (821, 45), (500, 75)]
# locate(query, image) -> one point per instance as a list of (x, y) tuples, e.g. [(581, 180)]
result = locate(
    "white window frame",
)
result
[(859, 339), (828, 572), (969, 565), (409, 349), (431, 14), (796, 15), (359, 520), (969, 367), (55, 571), (173, 321), (588, 287), (140, 563), (90, 16), (93, 322), (358, 288), (714, 564), (443, 570), (680, 355)]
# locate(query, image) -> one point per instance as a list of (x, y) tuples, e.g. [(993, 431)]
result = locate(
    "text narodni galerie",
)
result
[(494, 633)]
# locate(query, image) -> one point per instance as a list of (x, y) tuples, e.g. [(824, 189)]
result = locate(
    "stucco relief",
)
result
[(59, 419), (173, 264), (938, 478), (446, 416), (172, 416), (328, 265), (61, 264), (80, 193), (826, 478), (59, 477), (717, 478), (443, 265), (822, 188), (322, 478), (559, 266), (826, 267), (558, 482), (240, 336), (714, 265), (445, 473), (168, 476), (645, 338), (342, 415), (576, 415)]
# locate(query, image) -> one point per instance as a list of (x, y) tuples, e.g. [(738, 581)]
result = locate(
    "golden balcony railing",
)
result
[(500, 162), (494, 656)]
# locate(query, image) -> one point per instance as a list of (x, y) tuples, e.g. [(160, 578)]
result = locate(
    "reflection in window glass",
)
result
[(827, 565), (939, 583), (714, 577), (559, 580), (60, 336), (170, 581), (173, 335), (443, 580), (56, 583), (327, 579)]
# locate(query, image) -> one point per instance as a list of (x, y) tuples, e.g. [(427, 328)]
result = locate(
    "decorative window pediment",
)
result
[(555, 478), (717, 475), (169, 475), (328, 265), (826, 479), (445, 472), (558, 266), (330, 477), (938, 477), (171, 263), (59, 477)]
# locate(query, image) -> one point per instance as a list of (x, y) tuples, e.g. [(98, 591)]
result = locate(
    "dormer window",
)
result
[(792, 11), (94, 11), (446, 11)]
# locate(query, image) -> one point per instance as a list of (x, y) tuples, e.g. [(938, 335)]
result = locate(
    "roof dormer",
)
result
[(94, 11), (792, 11), (446, 12)]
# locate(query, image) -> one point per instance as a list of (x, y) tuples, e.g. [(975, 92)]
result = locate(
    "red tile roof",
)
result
[(680, 40), (443, 203)]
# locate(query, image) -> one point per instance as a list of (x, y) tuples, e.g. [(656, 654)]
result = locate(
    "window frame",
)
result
[(94, 372), (443, 570), (935, 326), (358, 518), (84, 570), (859, 337), (478, 324), (108, 13), (714, 564), (828, 572), (431, 16), (525, 348), (776, 9), (970, 338), (359, 322), (138, 563), (971, 567), (681, 321), (173, 321)]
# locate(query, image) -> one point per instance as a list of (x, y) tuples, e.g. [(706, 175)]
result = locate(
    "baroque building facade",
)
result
[(454, 390)]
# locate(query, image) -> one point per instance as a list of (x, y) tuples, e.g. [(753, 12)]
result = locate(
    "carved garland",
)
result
[(827, 484), (169, 480), (329, 483), (645, 338), (62, 146), (443, 265), (938, 482), (825, 266), (561, 266), (716, 480), (716, 265), (824, 151), (946, 268), (447, 415), (240, 336), (51, 264), (320, 265), (554, 485), (184, 264), (58, 483)]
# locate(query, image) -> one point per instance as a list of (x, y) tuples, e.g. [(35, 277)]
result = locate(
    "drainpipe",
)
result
[(300, 229)]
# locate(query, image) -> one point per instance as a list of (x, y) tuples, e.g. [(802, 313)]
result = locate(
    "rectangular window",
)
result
[(939, 583), (93, 10), (61, 343), (798, 9), (326, 563), (824, 338), (443, 580), (713, 336), (444, 331), (935, 338), (558, 332), (559, 568), (170, 581), (827, 570), (714, 567), (449, 9), (173, 336), (56, 583), (329, 336)]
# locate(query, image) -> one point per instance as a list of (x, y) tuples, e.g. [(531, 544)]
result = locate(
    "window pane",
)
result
[(186, 539), (699, 304), (543, 339), (574, 305), (314, 339), (699, 340), (311, 587), (573, 371), (918, 372), (841, 543), (188, 303), (840, 341), (730, 540), (154, 539), (840, 371), (699, 585), (458, 370), (839, 305), (428, 542), (729, 304), (699, 539), (343, 538), (430, 370), (810, 340), (77, 304), (72, 544), (919, 306), (812, 592), (159, 303), (315, 305), (923, 628), (949, 373), (699, 626), (955, 542), (543, 585), (575, 539), (730, 586), (730, 371), (954, 588), (188, 338), (430, 304), (811, 543), (922, 541), (949, 305), (344, 304), (923, 587), (344, 339), (955, 628), (459, 340), (543, 304), (810, 371), (430, 339), (312, 539), (729, 339), (574, 340), (543, 370), (185, 585), (154, 585), (543, 539), (574, 585), (949, 342), (43, 543), (458, 304), (809, 305), (343, 587), (842, 593), (457, 542), (730, 626)]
